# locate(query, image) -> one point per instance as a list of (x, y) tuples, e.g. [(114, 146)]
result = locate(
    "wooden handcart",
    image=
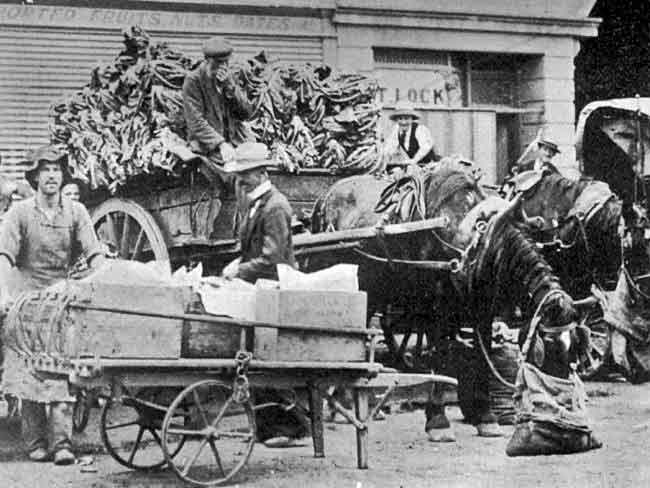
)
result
[(198, 413)]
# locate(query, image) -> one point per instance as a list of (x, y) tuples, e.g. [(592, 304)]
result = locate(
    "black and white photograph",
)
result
[(324, 243)]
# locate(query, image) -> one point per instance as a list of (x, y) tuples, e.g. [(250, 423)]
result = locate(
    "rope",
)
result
[(524, 349)]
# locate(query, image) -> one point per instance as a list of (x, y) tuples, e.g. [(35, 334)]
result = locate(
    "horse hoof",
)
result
[(441, 435), (489, 430)]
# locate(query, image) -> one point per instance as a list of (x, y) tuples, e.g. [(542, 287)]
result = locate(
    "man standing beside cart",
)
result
[(42, 237), (265, 239)]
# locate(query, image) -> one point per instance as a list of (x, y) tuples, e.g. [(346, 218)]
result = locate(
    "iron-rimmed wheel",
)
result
[(81, 411), (129, 230), (139, 419), (220, 434)]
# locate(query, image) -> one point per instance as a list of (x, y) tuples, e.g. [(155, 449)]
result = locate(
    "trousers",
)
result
[(40, 430)]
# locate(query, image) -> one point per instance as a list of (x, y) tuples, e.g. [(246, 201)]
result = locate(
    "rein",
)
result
[(534, 324)]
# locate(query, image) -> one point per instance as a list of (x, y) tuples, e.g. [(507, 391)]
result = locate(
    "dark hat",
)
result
[(41, 155), (550, 144), (217, 47), (249, 155)]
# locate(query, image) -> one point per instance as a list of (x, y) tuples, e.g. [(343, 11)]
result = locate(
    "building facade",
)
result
[(485, 75)]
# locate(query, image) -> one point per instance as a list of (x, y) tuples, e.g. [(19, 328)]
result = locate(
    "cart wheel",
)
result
[(398, 340), (592, 361), (81, 412), (219, 437), (129, 425), (129, 230)]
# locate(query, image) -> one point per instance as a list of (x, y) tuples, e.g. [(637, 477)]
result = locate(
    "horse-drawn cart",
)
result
[(194, 413)]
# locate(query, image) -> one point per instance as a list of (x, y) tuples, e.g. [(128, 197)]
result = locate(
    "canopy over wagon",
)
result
[(613, 143)]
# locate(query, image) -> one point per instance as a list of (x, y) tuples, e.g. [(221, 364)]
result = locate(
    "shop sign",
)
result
[(62, 16), (434, 87)]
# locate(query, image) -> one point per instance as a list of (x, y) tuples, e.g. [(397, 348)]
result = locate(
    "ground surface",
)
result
[(400, 456)]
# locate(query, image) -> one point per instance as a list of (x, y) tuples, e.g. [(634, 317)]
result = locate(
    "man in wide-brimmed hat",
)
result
[(409, 138), (265, 237), (265, 229), (42, 237), (215, 105)]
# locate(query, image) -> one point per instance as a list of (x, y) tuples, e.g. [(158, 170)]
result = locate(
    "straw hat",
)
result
[(404, 108), (248, 156)]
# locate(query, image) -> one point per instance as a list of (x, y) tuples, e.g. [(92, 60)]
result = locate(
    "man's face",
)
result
[(215, 63), (404, 122), (49, 178), (71, 190), (249, 180), (546, 154)]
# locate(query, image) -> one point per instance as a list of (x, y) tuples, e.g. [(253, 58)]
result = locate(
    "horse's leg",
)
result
[(437, 425), (483, 418)]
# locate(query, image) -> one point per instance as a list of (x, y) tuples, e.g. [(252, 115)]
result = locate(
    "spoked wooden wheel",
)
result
[(220, 434), (592, 361), (130, 428), (81, 412), (129, 231), (409, 356)]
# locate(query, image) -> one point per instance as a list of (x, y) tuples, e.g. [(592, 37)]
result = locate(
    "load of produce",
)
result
[(129, 118)]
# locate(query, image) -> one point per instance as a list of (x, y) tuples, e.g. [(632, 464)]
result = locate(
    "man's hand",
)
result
[(227, 151), (222, 73), (230, 271)]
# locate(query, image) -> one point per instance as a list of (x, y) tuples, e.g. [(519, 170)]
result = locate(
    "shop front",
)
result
[(485, 76)]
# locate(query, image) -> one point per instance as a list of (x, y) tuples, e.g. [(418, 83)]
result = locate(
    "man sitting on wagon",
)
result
[(409, 139), (215, 105), (265, 239)]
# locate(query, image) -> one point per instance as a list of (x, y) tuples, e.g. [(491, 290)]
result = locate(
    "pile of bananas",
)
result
[(125, 121)]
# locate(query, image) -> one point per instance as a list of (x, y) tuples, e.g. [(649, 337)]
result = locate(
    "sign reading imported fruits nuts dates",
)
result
[(433, 87)]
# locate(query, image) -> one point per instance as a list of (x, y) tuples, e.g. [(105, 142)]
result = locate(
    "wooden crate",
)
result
[(310, 310), (90, 333)]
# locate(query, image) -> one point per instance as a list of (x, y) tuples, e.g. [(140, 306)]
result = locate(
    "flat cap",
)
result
[(217, 47)]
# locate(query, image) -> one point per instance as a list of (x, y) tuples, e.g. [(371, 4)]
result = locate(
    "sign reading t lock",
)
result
[(432, 87)]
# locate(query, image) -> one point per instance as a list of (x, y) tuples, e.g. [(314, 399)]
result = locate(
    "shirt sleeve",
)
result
[(390, 146), (86, 236), (423, 135), (11, 234)]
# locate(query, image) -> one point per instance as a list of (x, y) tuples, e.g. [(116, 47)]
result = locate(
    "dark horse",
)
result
[(587, 232), (497, 268), (577, 224)]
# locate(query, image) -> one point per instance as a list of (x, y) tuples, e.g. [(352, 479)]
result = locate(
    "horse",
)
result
[(577, 223), (587, 234), (496, 267)]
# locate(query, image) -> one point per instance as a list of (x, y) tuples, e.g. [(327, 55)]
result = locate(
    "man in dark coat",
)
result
[(265, 236), (215, 105), (265, 230)]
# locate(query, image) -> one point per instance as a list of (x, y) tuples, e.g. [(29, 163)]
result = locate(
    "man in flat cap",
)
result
[(42, 237), (215, 105)]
